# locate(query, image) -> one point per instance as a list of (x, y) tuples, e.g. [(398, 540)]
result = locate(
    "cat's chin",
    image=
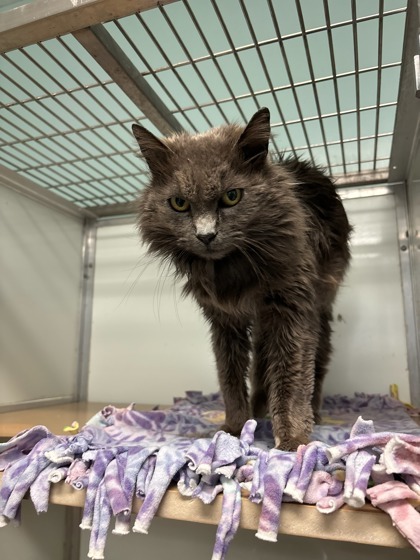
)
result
[(210, 254)]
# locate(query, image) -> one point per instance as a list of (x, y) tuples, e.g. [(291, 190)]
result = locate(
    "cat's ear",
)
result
[(253, 142), (155, 152)]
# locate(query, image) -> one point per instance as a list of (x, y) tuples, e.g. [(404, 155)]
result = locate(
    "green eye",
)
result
[(179, 204), (232, 197)]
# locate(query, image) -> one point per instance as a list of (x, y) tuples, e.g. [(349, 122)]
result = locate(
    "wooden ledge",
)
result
[(364, 526), (54, 417)]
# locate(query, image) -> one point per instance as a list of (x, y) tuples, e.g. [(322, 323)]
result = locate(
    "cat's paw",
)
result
[(290, 443)]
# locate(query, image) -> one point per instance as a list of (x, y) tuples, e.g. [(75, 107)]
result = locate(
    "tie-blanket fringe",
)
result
[(121, 454)]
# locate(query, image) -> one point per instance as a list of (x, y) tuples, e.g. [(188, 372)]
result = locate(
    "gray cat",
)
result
[(263, 248)]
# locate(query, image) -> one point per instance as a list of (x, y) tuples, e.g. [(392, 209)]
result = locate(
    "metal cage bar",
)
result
[(88, 159), (379, 83), (280, 40), (146, 63), (312, 74), (407, 118), (267, 75), (356, 63), (177, 76), (285, 38), (335, 82)]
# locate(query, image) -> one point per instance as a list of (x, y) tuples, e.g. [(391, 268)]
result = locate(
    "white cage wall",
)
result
[(149, 344)]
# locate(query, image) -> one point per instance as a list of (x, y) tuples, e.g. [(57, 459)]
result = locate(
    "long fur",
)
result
[(267, 282)]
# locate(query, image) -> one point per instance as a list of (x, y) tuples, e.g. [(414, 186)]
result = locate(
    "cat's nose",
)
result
[(206, 238)]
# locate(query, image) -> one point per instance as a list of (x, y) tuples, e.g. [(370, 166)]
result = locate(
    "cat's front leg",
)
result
[(231, 346), (286, 341), (259, 398)]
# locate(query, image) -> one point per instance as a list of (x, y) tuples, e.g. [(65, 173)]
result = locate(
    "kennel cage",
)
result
[(342, 83)]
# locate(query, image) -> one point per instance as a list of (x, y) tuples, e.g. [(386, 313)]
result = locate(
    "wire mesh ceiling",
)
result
[(328, 71)]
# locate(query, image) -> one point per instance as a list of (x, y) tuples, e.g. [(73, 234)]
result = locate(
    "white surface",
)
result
[(177, 540), (40, 279), (413, 185), (148, 346), (370, 340)]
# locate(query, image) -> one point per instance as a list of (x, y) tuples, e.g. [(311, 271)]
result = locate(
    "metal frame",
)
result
[(14, 181), (413, 343), (72, 533), (106, 221), (44, 19), (99, 43), (402, 160), (413, 200), (408, 112), (86, 307), (413, 203), (360, 179), (381, 189)]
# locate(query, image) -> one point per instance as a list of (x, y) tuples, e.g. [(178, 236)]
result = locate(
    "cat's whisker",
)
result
[(259, 248), (176, 275), (254, 268), (148, 261), (174, 294), (156, 304), (166, 271)]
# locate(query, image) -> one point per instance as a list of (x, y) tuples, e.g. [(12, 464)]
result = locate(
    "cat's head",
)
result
[(207, 191)]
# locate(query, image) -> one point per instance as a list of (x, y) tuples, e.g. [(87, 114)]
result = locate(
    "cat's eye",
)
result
[(179, 204), (232, 197)]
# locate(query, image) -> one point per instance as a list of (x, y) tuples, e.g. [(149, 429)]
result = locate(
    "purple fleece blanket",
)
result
[(121, 453)]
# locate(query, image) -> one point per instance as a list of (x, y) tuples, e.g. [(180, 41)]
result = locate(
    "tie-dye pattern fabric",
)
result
[(121, 454)]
